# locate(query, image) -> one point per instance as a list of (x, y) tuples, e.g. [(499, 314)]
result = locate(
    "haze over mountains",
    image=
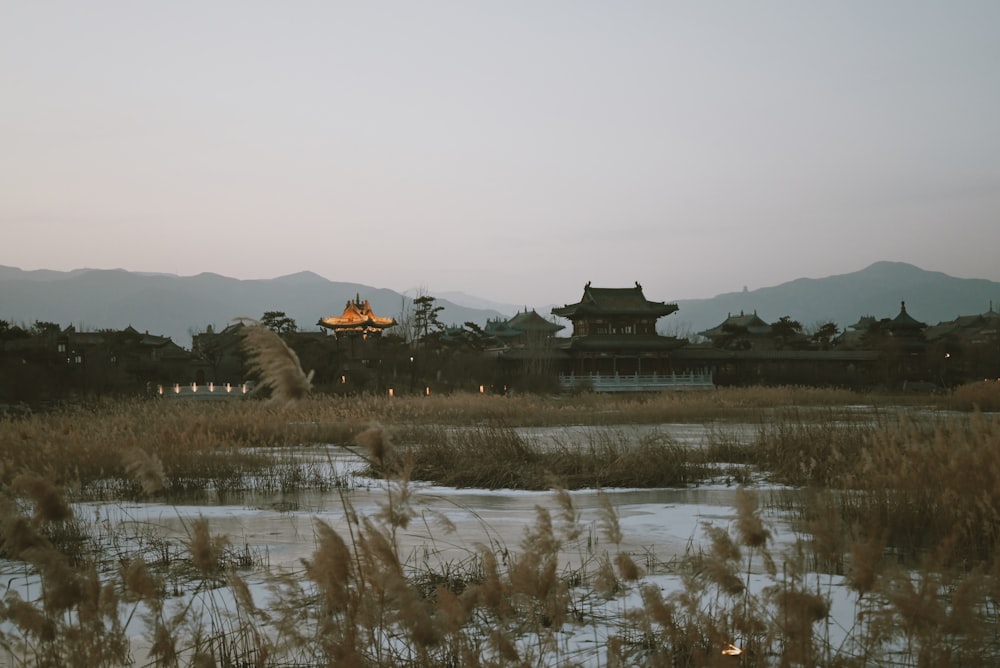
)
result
[(178, 306)]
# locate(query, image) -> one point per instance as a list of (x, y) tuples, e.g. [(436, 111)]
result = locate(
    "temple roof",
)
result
[(530, 321), (905, 321), (500, 329), (614, 301), (980, 327), (749, 322), (864, 323), (357, 317)]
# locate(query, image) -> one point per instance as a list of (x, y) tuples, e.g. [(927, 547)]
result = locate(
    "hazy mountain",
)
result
[(177, 306), (509, 310), (877, 290), (471, 301)]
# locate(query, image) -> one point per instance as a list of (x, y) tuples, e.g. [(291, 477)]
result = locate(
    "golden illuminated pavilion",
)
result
[(357, 319)]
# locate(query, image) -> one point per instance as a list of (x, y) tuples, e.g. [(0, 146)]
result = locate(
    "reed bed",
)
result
[(982, 396), (83, 446), (899, 510), (737, 599), (496, 456)]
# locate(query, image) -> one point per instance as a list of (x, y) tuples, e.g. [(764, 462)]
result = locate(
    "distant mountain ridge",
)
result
[(177, 306), (876, 290)]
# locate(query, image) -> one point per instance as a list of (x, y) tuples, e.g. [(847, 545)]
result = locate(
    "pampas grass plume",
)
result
[(139, 583), (276, 364), (49, 503), (627, 568), (147, 469), (377, 442), (330, 566), (206, 551), (749, 525)]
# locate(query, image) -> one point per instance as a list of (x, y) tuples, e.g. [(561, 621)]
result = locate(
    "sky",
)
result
[(510, 150)]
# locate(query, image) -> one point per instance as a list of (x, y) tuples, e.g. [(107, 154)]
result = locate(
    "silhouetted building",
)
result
[(614, 333), (740, 332)]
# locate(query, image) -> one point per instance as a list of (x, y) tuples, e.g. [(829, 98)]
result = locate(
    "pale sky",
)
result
[(511, 150)]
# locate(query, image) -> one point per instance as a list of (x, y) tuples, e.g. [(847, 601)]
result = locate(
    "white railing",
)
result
[(646, 382)]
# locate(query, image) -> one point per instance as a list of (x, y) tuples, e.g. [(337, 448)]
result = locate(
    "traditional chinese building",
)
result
[(358, 319), (614, 335), (527, 344), (739, 332), (359, 333), (526, 328)]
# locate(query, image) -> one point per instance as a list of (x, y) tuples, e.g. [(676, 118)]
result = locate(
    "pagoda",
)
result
[(358, 319)]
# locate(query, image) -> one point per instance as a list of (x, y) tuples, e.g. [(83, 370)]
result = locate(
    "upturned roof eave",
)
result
[(652, 309)]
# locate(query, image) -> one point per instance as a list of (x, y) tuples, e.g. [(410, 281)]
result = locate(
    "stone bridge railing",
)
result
[(652, 382)]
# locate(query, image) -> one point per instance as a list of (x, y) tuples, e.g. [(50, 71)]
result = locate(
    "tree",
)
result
[(404, 321), (474, 336), (425, 319), (9, 332), (733, 337), (824, 335), (43, 328), (278, 322), (786, 331)]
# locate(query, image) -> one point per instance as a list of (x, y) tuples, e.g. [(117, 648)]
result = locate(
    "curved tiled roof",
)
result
[(614, 301), (357, 317)]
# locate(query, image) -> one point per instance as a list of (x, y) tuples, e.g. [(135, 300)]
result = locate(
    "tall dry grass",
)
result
[(226, 445), (922, 480), (983, 396), (357, 601), (902, 511)]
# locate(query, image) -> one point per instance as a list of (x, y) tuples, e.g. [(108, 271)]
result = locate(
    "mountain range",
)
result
[(877, 290), (179, 306)]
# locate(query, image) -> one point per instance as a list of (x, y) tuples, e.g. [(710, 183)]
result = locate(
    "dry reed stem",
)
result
[(206, 550), (608, 519)]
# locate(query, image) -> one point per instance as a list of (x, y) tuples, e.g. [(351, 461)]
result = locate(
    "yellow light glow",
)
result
[(732, 650)]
